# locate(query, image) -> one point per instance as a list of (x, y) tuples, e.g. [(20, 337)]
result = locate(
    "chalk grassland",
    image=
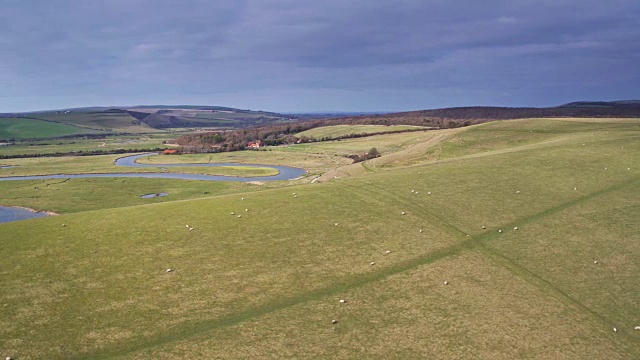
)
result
[(267, 284), (104, 121), (19, 128), (105, 164), (336, 131)]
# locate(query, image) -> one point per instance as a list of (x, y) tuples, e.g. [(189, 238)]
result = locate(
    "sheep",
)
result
[(241, 198), (518, 192), (334, 321), (63, 225), (403, 213), (429, 193), (239, 216), (484, 227), (388, 252), (232, 213), (595, 262), (515, 228), (615, 329), (336, 224), (575, 188), (169, 270), (446, 282), (372, 263), (342, 301), (246, 210), (500, 230), (420, 231), (190, 228), (637, 328), (186, 226)]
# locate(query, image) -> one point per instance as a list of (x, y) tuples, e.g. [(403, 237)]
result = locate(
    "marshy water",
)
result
[(8, 214)]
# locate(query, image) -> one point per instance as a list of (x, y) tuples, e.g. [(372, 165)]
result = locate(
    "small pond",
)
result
[(8, 214), (151, 196)]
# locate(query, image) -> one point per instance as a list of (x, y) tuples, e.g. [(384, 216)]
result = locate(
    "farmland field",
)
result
[(510, 239), (21, 128)]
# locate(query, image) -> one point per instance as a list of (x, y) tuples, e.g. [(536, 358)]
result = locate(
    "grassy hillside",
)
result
[(104, 120), (337, 131), (499, 241), (21, 128)]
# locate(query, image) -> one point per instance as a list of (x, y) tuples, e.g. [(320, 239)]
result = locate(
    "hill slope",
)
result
[(503, 240)]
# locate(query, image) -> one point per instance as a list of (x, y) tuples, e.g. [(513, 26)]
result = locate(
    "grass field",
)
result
[(51, 146), (514, 229), (100, 120), (336, 131), (20, 128)]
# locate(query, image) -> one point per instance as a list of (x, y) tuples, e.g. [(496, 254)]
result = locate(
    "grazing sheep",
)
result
[(421, 231), (387, 252), (615, 329), (417, 193), (63, 225), (595, 262), (336, 224), (295, 196), (446, 283), (334, 321), (342, 301), (190, 228), (575, 188), (429, 193), (484, 227), (232, 213), (372, 263), (518, 192), (241, 198), (500, 230), (637, 328), (515, 228), (239, 216), (246, 209), (169, 270), (404, 213), (186, 226)]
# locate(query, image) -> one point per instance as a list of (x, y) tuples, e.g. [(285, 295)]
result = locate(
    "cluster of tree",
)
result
[(371, 154), (81, 153)]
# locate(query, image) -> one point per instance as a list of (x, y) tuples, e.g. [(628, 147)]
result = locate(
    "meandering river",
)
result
[(284, 172)]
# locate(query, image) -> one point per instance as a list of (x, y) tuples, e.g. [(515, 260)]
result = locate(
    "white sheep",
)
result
[(388, 252), (515, 228), (429, 193), (169, 270), (421, 231), (342, 301), (484, 227), (404, 213), (615, 329), (500, 230), (637, 328), (595, 262), (334, 321), (372, 263), (446, 282), (232, 213)]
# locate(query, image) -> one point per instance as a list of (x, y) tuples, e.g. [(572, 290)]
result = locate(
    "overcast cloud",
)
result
[(299, 55)]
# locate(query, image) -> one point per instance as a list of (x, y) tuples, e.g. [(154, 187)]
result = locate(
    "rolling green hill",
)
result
[(509, 239), (21, 128)]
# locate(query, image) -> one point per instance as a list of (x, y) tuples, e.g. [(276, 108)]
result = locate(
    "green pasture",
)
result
[(68, 145), (330, 132), (444, 247), (21, 128), (100, 120)]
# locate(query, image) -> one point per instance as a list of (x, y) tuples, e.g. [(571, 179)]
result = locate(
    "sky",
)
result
[(312, 55)]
